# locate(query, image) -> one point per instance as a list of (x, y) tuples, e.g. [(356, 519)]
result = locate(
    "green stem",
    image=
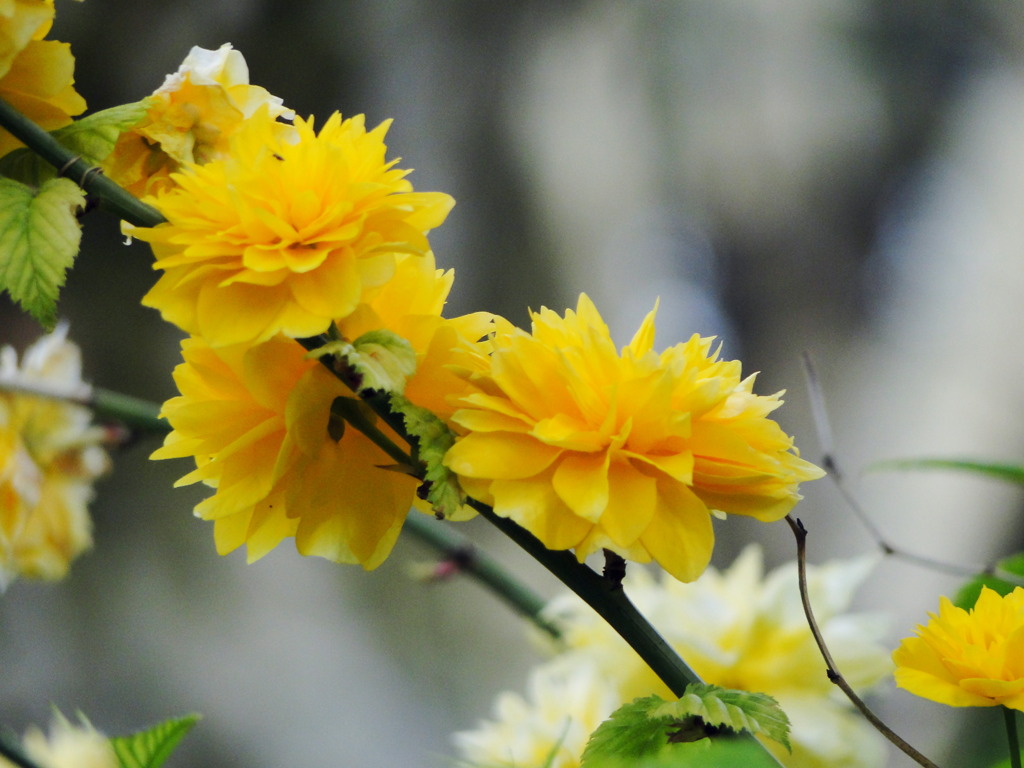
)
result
[(140, 415), (89, 177), (482, 567), (1010, 719), (133, 412), (350, 409)]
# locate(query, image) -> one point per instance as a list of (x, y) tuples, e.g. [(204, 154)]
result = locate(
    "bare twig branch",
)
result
[(831, 670)]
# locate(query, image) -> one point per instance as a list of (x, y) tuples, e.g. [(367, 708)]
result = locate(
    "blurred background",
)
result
[(841, 177)]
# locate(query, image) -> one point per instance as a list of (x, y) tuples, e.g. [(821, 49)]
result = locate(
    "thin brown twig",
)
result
[(834, 675), (831, 465)]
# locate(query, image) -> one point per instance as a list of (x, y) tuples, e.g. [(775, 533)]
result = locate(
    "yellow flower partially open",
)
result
[(968, 658), (257, 419), (193, 115), (589, 448), (285, 236), (36, 75)]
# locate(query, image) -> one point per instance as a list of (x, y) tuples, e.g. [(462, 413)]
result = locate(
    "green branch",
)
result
[(1010, 720), (469, 559), (137, 414), (90, 178), (606, 598)]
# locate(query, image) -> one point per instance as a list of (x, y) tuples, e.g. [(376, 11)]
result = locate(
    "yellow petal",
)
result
[(632, 503), (535, 506), (581, 481), (503, 456), (680, 537)]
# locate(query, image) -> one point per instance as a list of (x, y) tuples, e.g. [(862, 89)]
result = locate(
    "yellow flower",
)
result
[(968, 658), (49, 458), (284, 237), (589, 448), (194, 114), (257, 419), (737, 628), (36, 75), (69, 746)]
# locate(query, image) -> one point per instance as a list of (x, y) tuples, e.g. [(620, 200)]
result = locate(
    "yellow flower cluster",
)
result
[(50, 456), (590, 448), (279, 232), (738, 628), (36, 75), (968, 658), (257, 419)]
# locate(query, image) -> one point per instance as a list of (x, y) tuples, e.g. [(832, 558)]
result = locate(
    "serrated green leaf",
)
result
[(92, 138), (631, 733), (1011, 473), (434, 438), (758, 713), (1012, 566), (383, 359), (39, 237), (152, 747)]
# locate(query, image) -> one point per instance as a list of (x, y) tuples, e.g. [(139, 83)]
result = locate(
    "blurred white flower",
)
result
[(69, 746), (50, 455), (737, 628), (566, 700)]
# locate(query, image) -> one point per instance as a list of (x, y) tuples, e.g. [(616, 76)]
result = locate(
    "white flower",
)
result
[(548, 727), (738, 628), (69, 746), (226, 68), (50, 455)]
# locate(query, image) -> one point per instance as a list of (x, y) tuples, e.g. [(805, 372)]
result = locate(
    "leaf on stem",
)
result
[(92, 138), (151, 747), (757, 713), (434, 438), (661, 732), (383, 360), (39, 237)]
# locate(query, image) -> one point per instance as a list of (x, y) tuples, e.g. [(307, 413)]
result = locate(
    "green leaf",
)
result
[(718, 753), (655, 733), (91, 138), (1011, 473), (758, 713), (152, 747), (383, 359), (39, 237), (631, 733), (1006, 763), (1012, 567), (434, 438)]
